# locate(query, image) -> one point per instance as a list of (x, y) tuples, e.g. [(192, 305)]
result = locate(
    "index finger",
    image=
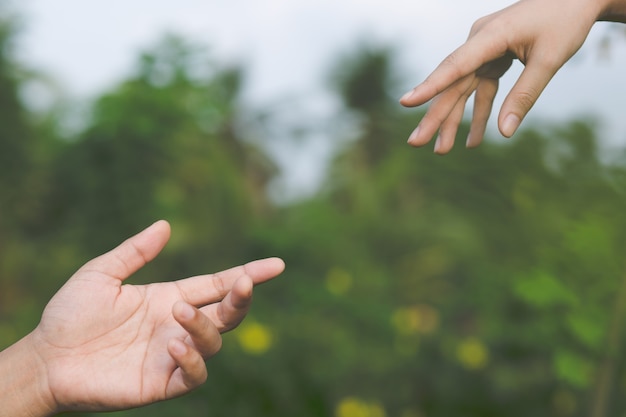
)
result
[(206, 289), (468, 58)]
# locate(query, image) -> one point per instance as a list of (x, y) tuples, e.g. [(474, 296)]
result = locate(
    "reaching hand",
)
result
[(542, 34), (107, 345)]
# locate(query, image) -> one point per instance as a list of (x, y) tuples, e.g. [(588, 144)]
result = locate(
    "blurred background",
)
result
[(489, 282)]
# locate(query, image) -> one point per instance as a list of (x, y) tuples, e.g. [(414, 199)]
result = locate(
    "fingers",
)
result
[(233, 308), (477, 51), (203, 333), (523, 95), (440, 110), (191, 371), (132, 254), (206, 289), (483, 103), (445, 112), (450, 126), (448, 130), (482, 58), (265, 269), (207, 341)]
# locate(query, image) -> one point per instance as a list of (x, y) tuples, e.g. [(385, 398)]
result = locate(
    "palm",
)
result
[(121, 354)]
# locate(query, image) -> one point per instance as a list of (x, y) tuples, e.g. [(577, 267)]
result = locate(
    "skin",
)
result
[(105, 345), (541, 34)]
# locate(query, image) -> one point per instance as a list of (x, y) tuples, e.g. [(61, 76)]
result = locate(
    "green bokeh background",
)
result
[(489, 282)]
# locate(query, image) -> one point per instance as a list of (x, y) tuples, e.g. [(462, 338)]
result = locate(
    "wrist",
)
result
[(24, 387)]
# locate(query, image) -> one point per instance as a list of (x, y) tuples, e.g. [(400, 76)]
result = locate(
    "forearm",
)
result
[(614, 11), (23, 386)]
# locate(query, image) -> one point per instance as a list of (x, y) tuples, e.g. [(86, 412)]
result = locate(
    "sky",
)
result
[(287, 47)]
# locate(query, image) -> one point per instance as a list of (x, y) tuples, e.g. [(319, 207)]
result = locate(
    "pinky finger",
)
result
[(191, 371), (447, 133)]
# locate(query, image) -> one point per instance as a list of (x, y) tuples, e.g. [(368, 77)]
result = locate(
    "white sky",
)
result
[(287, 46)]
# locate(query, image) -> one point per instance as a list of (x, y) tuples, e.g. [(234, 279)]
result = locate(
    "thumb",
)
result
[(132, 254)]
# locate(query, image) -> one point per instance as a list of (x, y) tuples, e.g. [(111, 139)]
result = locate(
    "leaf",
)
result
[(543, 290), (572, 368), (589, 330)]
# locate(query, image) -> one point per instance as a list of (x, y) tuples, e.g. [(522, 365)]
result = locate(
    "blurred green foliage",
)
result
[(484, 283)]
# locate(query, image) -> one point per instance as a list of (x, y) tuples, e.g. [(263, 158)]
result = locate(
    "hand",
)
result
[(543, 35), (105, 345)]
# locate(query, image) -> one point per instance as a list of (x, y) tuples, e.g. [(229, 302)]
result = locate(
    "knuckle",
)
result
[(478, 25), (432, 120), (217, 345), (451, 62), (203, 378), (182, 291), (547, 63), (490, 24), (198, 377), (219, 284), (526, 99), (212, 347)]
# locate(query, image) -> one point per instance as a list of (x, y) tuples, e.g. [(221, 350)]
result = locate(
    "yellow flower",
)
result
[(351, 407), (254, 338), (406, 320), (472, 353), (415, 319), (355, 407), (338, 281)]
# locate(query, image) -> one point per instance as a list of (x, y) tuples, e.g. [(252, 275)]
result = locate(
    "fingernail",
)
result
[(437, 144), (187, 312), (178, 347), (249, 287), (510, 124), (414, 135), (407, 95)]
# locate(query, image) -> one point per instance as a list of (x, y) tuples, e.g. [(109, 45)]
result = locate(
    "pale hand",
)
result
[(542, 34)]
